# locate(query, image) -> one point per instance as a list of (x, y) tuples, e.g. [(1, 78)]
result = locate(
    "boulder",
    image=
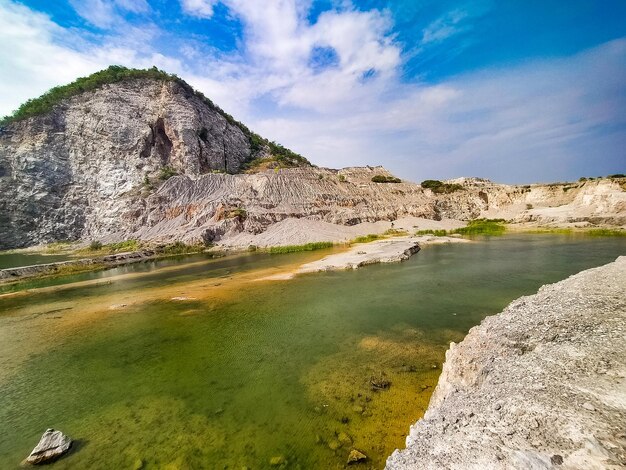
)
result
[(52, 445)]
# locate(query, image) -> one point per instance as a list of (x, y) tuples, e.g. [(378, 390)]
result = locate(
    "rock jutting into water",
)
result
[(52, 445), (540, 385), (392, 250)]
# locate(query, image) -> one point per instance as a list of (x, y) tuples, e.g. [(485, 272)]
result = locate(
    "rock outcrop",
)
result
[(81, 168), (541, 385), (52, 445)]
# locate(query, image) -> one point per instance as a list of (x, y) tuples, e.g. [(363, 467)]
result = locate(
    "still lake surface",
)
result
[(195, 363)]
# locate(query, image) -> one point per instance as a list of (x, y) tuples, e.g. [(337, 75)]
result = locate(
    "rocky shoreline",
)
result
[(541, 385)]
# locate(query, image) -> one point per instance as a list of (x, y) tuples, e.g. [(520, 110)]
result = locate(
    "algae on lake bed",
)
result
[(235, 372)]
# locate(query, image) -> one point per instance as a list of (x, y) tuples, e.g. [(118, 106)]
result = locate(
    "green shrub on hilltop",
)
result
[(113, 74), (385, 179), (439, 187)]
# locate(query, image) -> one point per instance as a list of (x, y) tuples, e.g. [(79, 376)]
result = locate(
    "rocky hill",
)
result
[(139, 154)]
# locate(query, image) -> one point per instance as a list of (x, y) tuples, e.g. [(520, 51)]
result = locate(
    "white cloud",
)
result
[(107, 13), (198, 8), (544, 120), (444, 27)]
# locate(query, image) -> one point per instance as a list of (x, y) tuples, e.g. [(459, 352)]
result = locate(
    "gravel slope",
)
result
[(541, 385)]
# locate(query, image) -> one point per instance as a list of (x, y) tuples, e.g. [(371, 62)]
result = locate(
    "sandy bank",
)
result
[(391, 250), (541, 385)]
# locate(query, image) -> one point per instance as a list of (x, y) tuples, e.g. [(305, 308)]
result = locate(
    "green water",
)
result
[(242, 371), (16, 259)]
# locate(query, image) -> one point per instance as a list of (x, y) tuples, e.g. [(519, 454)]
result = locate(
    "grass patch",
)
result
[(367, 238), (482, 227), (179, 248), (57, 247), (295, 248), (436, 233), (67, 269), (395, 232), (97, 248)]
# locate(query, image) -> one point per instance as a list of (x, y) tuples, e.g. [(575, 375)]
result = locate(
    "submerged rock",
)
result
[(379, 383), (278, 460), (356, 456), (52, 445)]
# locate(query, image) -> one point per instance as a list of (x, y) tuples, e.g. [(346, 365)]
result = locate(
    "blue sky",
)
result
[(515, 91)]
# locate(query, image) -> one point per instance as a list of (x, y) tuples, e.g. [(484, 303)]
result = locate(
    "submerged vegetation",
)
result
[(594, 232), (605, 232)]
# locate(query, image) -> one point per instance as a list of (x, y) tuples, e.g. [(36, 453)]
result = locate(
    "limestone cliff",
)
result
[(75, 171)]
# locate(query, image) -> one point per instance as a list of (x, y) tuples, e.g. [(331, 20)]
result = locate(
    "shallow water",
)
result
[(13, 259), (241, 371)]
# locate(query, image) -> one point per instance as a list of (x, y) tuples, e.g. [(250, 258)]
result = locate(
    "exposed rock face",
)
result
[(52, 445), (539, 386), (79, 170), (198, 209)]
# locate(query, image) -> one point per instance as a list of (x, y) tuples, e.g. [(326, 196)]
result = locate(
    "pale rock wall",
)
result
[(78, 170)]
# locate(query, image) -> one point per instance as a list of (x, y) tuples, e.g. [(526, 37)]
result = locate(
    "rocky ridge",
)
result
[(541, 385)]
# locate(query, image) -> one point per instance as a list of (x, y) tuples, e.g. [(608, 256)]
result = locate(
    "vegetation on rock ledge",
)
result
[(439, 187), (385, 179)]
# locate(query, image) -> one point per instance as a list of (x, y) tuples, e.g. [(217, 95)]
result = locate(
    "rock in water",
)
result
[(356, 457), (52, 445)]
